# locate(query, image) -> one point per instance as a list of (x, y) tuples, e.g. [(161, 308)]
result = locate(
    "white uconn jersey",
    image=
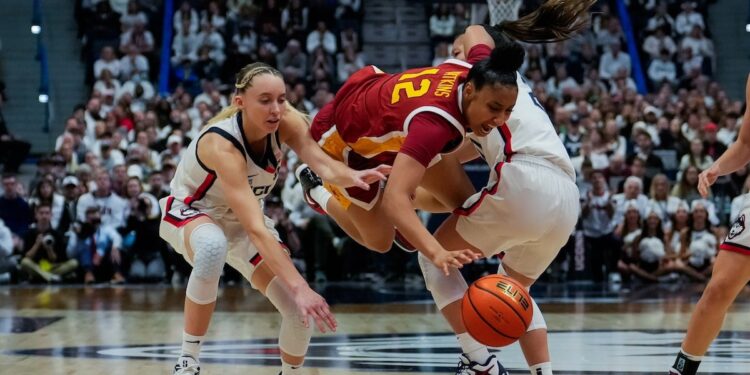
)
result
[(195, 184), (528, 131)]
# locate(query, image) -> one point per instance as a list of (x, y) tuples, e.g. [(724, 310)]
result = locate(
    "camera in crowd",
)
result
[(48, 240)]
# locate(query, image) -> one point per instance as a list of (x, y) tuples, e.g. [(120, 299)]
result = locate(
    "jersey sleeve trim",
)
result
[(458, 62), (438, 111)]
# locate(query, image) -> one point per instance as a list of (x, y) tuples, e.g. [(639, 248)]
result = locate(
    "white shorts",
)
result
[(738, 238), (529, 214), (242, 254)]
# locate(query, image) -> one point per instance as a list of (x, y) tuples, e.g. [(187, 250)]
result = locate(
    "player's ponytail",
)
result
[(243, 81), (553, 21), (500, 68)]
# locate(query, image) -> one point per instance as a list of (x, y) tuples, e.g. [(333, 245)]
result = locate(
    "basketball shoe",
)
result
[(309, 180), (402, 243), (187, 365), (469, 367)]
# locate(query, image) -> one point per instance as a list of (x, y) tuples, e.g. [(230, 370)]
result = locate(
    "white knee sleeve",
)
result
[(445, 289), (294, 337), (209, 254), (537, 319)]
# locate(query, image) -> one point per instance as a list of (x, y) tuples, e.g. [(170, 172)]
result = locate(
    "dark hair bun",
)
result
[(507, 57)]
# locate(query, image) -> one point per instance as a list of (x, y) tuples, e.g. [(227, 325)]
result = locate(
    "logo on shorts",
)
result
[(189, 211), (737, 227)]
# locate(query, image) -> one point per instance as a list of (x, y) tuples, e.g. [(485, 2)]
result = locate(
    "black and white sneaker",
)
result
[(187, 365), (491, 367), (309, 180)]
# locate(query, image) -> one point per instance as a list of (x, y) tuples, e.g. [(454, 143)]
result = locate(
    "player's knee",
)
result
[(537, 319), (718, 292), (294, 337), (445, 289), (209, 246)]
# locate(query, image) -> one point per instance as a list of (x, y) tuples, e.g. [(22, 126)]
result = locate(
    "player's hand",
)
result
[(363, 179), (445, 260), (706, 179), (312, 305)]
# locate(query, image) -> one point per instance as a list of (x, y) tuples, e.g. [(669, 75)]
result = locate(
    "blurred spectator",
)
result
[(349, 61), (662, 70), (321, 37), (139, 37), (97, 249), (8, 265), (698, 43), (292, 61), (146, 248), (107, 85), (133, 64), (667, 205), (688, 18), (132, 16), (13, 151), (658, 42), (45, 194), (44, 255), (14, 210), (597, 210), (442, 24), (174, 149), (107, 60), (185, 20), (687, 187), (632, 194), (661, 19), (652, 257), (697, 157), (113, 207), (214, 15), (294, 20), (626, 233), (185, 46), (209, 38), (612, 61), (349, 38), (71, 192), (728, 131), (698, 244)]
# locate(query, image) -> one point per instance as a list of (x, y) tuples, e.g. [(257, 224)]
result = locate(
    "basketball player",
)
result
[(731, 270), (408, 120), (215, 213)]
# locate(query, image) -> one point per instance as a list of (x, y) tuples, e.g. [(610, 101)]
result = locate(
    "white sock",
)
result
[(696, 358), (321, 196), (544, 368), (472, 348), (191, 345), (287, 369)]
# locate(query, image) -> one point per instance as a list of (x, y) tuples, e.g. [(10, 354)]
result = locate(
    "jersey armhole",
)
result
[(224, 134)]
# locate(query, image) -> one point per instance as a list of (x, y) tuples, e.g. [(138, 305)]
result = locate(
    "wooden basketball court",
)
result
[(389, 328)]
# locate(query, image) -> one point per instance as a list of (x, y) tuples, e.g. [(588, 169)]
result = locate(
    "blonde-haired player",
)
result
[(731, 271), (215, 213)]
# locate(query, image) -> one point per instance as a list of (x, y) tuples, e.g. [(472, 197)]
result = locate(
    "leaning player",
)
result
[(215, 213), (731, 270)]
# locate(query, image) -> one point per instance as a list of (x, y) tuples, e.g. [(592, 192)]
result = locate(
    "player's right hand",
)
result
[(706, 179), (312, 305), (445, 260)]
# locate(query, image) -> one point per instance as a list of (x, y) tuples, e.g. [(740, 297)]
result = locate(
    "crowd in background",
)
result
[(91, 211)]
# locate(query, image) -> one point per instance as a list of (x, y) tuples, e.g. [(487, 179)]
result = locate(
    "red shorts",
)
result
[(323, 131)]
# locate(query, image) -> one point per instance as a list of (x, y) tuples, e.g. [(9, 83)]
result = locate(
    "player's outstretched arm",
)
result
[(734, 158), (295, 134), (230, 166)]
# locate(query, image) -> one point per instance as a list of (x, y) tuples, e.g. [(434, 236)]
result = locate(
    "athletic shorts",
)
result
[(738, 239), (242, 254), (529, 214)]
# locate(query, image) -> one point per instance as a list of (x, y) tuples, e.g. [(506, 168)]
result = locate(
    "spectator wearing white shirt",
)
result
[(632, 192), (214, 15), (698, 43), (213, 40), (132, 16), (185, 19), (185, 46), (691, 63), (662, 70), (349, 61), (107, 85), (612, 61), (561, 82), (133, 63), (688, 18), (107, 60), (292, 61), (245, 41), (112, 207), (658, 41), (661, 19), (727, 134), (139, 37), (321, 37)]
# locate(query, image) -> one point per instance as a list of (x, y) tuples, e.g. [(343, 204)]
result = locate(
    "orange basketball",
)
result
[(496, 310)]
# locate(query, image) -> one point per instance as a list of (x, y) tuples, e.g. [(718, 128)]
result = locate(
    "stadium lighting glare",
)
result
[(747, 27), (36, 29), (43, 98)]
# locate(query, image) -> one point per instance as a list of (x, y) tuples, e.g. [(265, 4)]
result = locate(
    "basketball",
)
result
[(496, 310)]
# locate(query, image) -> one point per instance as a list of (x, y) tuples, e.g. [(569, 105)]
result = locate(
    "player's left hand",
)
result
[(706, 179), (445, 260), (363, 179)]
